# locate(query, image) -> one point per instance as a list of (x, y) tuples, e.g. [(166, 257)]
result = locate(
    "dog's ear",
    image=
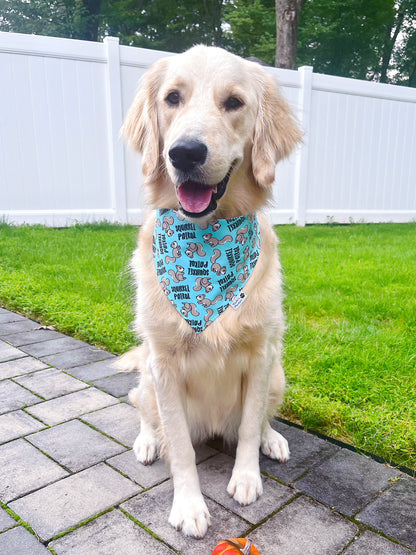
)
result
[(275, 134), (140, 128)]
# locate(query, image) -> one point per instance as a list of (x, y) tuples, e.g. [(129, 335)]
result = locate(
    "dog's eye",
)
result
[(233, 103), (173, 98)]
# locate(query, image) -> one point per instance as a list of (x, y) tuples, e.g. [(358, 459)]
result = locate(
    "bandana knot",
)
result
[(202, 270)]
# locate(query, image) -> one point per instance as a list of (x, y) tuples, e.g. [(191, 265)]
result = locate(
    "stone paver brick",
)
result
[(83, 355), (50, 383), (144, 476), (52, 346), (369, 543), (71, 406), (19, 367), (394, 512), (7, 316), (75, 445), (109, 534), (305, 451), (151, 474), (23, 469), (17, 424), (6, 521), (152, 508), (118, 385), (94, 370), (7, 329), (73, 499), (214, 475), (119, 421), (8, 352), (33, 336), (13, 397), (304, 528), (347, 481), (18, 541)]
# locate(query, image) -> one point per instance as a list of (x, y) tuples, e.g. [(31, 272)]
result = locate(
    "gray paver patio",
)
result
[(68, 502), (118, 385), (8, 352), (75, 445), (50, 383), (119, 421), (94, 370), (369, 543), (68, 470), (71, 406), (17, 424), (52, 346), (6, 521), (304, 528), (394, 512), (75, 357), (13, 397), (24, 469), (18, 541), (347, 481), (21, 366), (115, 532), (19, 339)]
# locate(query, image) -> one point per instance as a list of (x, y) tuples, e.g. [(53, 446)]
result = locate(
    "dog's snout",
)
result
[(186, 155)]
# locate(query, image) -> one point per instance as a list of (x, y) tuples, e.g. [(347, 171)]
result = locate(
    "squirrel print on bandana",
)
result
[(202, 271)]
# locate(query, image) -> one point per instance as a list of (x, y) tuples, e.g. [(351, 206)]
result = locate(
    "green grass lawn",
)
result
[(350, 349)]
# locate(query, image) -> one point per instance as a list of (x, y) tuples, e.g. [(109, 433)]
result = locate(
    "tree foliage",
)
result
[(357, 38), (164, 24), (75, 19), (365, 39)]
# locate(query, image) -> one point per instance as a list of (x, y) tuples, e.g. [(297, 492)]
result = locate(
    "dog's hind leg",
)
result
[(147, 444), (273, 444)]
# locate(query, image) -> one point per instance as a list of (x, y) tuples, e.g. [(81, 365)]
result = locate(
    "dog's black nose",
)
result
[(185, 155)]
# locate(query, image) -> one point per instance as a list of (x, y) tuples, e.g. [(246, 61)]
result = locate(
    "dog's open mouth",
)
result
[(197, 199)]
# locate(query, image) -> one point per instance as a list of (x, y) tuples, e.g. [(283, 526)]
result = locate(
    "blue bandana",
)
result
[(203, 270)]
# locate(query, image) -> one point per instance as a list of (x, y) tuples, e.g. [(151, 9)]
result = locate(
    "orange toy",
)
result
[(235, 546)]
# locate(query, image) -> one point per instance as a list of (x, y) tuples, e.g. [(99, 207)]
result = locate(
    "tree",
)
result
[(251, 29), (164, 24), (76, 19), (287, 22), (364, 39), (402, 22)]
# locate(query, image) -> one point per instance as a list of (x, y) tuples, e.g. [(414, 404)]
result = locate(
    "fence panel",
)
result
[(61, 158)]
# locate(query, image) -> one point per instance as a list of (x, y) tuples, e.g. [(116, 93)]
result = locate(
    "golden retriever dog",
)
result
[(210, 127)]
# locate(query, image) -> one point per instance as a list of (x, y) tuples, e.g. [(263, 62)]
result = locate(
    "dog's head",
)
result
[(211, 128)]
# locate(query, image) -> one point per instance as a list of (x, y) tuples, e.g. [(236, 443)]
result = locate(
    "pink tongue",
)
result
[(194, 197)]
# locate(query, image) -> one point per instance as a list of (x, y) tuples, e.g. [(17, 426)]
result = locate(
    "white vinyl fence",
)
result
[(62, 103)]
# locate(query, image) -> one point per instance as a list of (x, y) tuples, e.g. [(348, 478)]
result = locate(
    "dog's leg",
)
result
[(189, 512), (273, 444), (147, 444), (245, 484)]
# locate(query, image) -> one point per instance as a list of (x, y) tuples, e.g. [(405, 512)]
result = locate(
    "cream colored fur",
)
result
[(227, 380)]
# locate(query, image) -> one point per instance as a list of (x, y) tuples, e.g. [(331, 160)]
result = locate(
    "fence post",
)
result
[(301, 170), (115, 120)]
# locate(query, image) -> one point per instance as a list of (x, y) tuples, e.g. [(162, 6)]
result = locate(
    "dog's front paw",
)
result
[(245, 486), (190, 515), (146, 448), (274, 445)]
